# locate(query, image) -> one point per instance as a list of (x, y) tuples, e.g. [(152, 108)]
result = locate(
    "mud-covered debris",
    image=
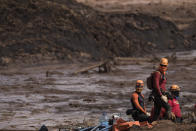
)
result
[(103, 66), (42, 31), (50, 73)]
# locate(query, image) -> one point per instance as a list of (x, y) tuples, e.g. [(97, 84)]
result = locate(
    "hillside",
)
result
[(40, 31)]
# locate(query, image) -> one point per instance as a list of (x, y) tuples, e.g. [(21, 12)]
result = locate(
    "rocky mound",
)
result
[(190, 34), (34, 31)]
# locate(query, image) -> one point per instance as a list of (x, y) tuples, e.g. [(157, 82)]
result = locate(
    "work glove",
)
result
[(171, 116), (148, 114), (115, 116), (164, 98)]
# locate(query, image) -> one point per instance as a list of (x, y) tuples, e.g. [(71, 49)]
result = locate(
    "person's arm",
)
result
[(136, 103), (156, 80)]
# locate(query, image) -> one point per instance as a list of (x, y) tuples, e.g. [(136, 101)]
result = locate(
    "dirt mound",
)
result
[(163, 124), (34, 31), (190, 33)]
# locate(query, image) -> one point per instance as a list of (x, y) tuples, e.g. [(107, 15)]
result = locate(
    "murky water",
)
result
[(29, 98)]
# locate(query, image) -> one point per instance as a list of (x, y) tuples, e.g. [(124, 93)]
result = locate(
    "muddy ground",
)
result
[(42, 42), (39, 32), (30, 98)]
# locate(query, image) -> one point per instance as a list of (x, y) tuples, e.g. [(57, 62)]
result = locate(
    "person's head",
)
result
[(163, 64), (139, 86), (175, 90)]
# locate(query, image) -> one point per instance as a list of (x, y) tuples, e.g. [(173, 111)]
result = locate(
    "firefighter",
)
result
[(139, 112), (174, 103), (159, 91)]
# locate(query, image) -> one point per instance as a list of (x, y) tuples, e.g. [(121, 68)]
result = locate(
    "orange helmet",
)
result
[(164, 62), (139, 85), (174, 88)]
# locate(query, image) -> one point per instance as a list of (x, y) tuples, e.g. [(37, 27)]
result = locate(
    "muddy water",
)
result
[(30, 97)]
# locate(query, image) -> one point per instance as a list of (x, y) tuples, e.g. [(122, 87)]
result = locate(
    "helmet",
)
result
[(174, 88), (139, 82), (139, 86), (164, 61)]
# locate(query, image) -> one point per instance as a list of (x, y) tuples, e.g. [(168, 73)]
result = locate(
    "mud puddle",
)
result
[(50, 95)]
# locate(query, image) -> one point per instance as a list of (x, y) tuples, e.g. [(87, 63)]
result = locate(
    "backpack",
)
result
[(43, 128), (149, 81)]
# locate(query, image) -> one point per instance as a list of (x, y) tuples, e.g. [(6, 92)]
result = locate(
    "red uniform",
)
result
[(159, 83), (175, 107)]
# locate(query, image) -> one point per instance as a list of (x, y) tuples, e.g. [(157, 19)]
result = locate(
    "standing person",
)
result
[(137, 99), (159, 90), (174, 104)]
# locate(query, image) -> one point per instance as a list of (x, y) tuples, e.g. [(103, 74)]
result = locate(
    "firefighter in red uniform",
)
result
[(137, 99), (174, 104), (159, 91)]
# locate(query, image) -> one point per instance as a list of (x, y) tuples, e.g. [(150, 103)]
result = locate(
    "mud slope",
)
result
[(190, 33), (33, 31)]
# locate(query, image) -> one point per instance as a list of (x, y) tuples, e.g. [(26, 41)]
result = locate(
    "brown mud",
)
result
[(35, 35), (30, 98), (45, 31)]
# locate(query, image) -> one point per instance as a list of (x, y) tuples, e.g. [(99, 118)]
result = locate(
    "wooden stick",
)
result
[(89, 68), (131, 59)]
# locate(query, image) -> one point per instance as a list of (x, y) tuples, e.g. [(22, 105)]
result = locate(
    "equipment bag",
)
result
[(149, 80)]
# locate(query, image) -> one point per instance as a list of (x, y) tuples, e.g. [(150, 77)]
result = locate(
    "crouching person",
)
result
[(137, 99), (174, 103)]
